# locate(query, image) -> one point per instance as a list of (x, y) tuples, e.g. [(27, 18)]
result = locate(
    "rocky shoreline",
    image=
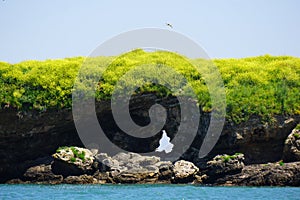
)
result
[(75, 165), (28, 139)]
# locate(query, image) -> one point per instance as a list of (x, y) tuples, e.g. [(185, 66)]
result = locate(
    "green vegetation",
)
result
[(296, 135), (281, 163), (227, 158), (76, 153), (262, 86), (38, 84), (62, 148)]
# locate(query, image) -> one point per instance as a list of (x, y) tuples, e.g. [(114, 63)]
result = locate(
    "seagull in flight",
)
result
[(170, 25)]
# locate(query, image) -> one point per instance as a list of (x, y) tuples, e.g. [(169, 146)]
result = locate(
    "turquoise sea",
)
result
[(144, 192)]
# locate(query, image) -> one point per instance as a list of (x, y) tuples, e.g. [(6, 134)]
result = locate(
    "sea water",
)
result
[(144, 192)]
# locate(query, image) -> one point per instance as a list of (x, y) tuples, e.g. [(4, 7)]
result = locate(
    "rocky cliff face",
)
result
[(27, 138), (259, 142)]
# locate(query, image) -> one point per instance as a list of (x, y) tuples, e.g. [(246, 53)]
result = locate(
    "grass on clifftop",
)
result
[(264, 85)]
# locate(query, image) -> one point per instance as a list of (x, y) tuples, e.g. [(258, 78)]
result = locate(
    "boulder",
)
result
[(105, 162), (15, 181), (103, 177), (135, 168), (130, 167), (165, 169), (82, 179), (184, 171), (222, 165), (291, 150), (41, 174), (73, 161), (136, 175), (270, 174), (127, 159), (200, 179)]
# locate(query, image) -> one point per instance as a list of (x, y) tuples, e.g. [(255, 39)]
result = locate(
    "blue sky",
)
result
[(43, 29)]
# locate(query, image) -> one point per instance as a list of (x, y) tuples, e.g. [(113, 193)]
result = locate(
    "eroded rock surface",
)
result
[(27, 135), (70, 161), (184, 171), (291, 151), (222, 165), (82, 179), (131, 168), (271, 174), (42, 174)]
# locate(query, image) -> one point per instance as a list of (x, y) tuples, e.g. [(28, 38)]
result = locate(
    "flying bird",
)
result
[(170, 25)]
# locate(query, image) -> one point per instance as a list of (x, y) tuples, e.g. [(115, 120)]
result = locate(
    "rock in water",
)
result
[(42, 174), (270, 174), (106, 163), (83, 179), (134, 168), (165, 170), (291, 150), (131, 160), (184, 171), (130, 167), (136, 175), (222, 165), (73, 161)]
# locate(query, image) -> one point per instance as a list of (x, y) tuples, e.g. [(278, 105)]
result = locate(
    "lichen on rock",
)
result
[(224, 164), (70, 161)]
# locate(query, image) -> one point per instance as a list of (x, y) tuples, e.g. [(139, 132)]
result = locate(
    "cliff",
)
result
[(27, 138)]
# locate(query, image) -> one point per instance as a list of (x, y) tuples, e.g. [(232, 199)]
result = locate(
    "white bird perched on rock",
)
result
[(170, 25)]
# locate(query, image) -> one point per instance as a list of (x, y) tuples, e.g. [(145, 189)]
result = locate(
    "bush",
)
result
[(264, 86)]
